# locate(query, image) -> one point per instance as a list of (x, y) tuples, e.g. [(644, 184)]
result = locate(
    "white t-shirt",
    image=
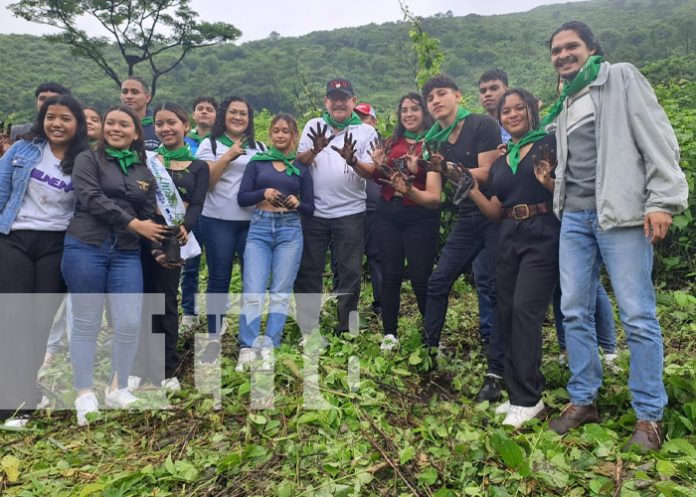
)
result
[(49, 201), (338, 190), (221, 201)]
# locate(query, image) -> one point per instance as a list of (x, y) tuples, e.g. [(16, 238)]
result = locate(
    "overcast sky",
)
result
[(257, 19)]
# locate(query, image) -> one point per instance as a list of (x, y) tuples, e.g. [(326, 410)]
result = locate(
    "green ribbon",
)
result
[(587, 75), (193, 134), (352, 120), (147, 120), (414, 136), (514, 148), (226, 140), (273, 154), (437, 135), (126, 158), (180, 154)]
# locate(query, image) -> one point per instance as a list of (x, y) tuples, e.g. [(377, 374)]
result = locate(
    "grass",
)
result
[(401, 432)]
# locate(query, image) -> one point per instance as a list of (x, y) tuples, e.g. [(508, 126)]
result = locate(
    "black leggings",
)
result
[(29, 264), (410, 233)]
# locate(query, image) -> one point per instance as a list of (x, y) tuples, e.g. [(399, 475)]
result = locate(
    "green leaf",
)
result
[(406, 454), (285, 489), (512, 454), (415, 358), (429, 476), (666, 468), (258, 419), (90, 489)]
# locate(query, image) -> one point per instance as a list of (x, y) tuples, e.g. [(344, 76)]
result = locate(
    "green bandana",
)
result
[(587, 75), (353, 119), (180, 154), (125, 158), (226, 140), (514, 148), (147, 120), (193, 134), (414, 136), (273, 154), (436, 135)]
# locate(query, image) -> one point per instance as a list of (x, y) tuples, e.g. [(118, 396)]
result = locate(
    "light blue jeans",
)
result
[(273, 250), (93, 273), (627, 256)]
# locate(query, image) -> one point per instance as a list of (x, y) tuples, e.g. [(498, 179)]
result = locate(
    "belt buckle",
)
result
[(520, 217)]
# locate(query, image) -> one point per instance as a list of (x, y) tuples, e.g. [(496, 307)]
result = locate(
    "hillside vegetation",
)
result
[(289, 73)]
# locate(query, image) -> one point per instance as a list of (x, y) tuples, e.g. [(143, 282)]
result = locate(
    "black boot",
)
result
[(491, 389)]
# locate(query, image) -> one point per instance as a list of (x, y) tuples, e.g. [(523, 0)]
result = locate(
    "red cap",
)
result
[(365, 109)]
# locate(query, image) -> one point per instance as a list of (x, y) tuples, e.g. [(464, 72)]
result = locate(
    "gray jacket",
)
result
[(638, 168)]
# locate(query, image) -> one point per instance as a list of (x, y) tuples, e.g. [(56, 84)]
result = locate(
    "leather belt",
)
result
[(524, 211)]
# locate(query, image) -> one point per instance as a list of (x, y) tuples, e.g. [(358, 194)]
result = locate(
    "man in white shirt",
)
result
[(336, 146)]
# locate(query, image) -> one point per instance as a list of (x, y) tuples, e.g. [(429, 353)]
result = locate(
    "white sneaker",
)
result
[(389, 342), (85, 404), (134, 382), (120, 398), (518, 415), (610, 362), (246, 356), (171, 384), (188, 321), (18, 422), (503, 408)]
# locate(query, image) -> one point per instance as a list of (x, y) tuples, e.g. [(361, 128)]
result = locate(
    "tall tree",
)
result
[(159, 33)]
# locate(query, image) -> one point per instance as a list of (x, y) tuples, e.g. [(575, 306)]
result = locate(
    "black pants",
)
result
[(470, 234), (347, 234), (31, 288), (405, 233), (526, 275), (149, 362)]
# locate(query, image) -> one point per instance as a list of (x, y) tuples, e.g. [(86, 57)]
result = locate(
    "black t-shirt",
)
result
[(521, 187), (480, 133), (192, 184)]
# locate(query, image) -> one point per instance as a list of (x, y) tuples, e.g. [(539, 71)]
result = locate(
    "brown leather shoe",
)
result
[(572, 417), (647, 435)]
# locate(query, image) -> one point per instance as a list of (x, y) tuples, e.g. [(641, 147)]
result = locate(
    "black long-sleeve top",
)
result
[(192, 184), (260, 175), (107, 200)]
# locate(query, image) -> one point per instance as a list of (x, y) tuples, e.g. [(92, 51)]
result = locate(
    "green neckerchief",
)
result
[(436, 135), (180, 154), (193, 134), (413, 136), (226, 140), (147, 120), (273, 154), (353, 119), (587, 75), (93, 144), (126, 158), (514, 148)]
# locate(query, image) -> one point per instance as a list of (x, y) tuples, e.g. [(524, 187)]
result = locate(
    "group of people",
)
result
[(90, 205)]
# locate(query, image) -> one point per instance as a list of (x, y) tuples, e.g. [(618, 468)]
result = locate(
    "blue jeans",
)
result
[(273, 250), (484, 279), (189, 278), (91, 272), (628, 256), (604, 320), (223, 239)]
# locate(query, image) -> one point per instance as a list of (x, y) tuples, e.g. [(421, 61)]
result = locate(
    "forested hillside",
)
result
[(289, 73)]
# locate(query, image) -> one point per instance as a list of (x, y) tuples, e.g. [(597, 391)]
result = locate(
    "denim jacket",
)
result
[(15, 170), (638, 168)]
